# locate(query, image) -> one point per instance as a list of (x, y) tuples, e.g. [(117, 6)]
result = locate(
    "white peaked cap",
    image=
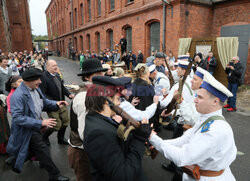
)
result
[(215, 87), (152, 68)]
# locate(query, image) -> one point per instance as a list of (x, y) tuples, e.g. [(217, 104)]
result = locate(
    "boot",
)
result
[(46, 135), (60, 136)]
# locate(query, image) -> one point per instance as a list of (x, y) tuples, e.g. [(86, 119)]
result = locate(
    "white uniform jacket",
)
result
[(161, 81), (138, 115), (175, 75), (187, 93), (187, 111), (212, 150)]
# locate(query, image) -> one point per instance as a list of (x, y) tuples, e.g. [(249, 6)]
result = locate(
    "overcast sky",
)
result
[(38, 17)]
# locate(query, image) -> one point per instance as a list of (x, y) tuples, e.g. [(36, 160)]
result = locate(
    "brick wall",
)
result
[(5, 35), (20, 25), (189, 19), (19, 36)]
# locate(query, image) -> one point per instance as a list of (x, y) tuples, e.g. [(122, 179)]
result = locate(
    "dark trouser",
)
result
[(79, 161), (123, 49), (178, 131), (41, 151), (232, 87), (128, 66)]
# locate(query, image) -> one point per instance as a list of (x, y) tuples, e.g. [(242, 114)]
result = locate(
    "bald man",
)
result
[(54, 89)]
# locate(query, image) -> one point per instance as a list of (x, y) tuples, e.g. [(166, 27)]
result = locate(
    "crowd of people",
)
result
[(202, 146)]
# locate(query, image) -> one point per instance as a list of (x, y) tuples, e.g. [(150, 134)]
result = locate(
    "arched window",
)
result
[(110, 39), (75, 17), (98, 42), (75, 41), (154, 36), (88, 42), (81, 43), (128, 31)]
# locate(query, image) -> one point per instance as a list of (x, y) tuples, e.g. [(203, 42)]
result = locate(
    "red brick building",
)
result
[(99, 24), (15, 28)]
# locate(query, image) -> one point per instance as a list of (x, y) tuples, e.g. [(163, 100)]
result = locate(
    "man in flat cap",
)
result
[(27, 103), (208, 149), (158, 62), (111, 158)]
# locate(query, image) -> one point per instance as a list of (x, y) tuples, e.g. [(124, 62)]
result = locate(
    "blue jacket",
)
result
[(24, 122)]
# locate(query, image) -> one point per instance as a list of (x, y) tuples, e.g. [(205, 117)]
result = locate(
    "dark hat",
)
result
[(10, 81), (105, 86), (199, 54), (106, 81), (125, 81), (159, 55), (32, 74), (90, 66)]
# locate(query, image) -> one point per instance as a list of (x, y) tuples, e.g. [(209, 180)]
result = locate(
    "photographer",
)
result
[(234, 71)]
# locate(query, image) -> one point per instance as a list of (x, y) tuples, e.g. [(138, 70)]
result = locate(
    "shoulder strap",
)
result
[(210, 119), (190, 91), (158, 80)]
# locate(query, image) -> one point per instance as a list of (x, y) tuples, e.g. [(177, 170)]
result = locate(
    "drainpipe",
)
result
[(164, 26), (72, 20)]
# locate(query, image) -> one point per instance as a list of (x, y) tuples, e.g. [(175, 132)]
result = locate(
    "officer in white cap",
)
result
[(160, 81), (187, 111), (208, 147), (187, 92)]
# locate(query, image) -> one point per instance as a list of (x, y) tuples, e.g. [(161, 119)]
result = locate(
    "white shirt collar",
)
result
[(206, 116), (4, 70), (52, 74)]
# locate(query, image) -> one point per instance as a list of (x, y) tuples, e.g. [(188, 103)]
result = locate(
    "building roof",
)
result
[(208, 2)]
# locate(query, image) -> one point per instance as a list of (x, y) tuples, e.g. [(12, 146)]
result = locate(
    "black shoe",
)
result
[(60, 136), (59, 178), (63, 141), (11, 161), (46, 141), (169, 167)]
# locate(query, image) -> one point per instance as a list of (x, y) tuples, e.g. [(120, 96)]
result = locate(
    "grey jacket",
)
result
[(3, 79)]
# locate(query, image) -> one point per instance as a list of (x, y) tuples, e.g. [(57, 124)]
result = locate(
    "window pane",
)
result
[(75, 17), (111, 40), (89, 43), (130, 1), (112, 4), (129, 38), (89, 7), (82, 13), (155, 36), (99, 8), (98, 42)]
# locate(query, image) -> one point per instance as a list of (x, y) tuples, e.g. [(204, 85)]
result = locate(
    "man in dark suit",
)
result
[(111, 158), (123, 43), (54, 89)]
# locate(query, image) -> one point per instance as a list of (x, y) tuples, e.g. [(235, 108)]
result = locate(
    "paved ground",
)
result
[(240, 123)]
